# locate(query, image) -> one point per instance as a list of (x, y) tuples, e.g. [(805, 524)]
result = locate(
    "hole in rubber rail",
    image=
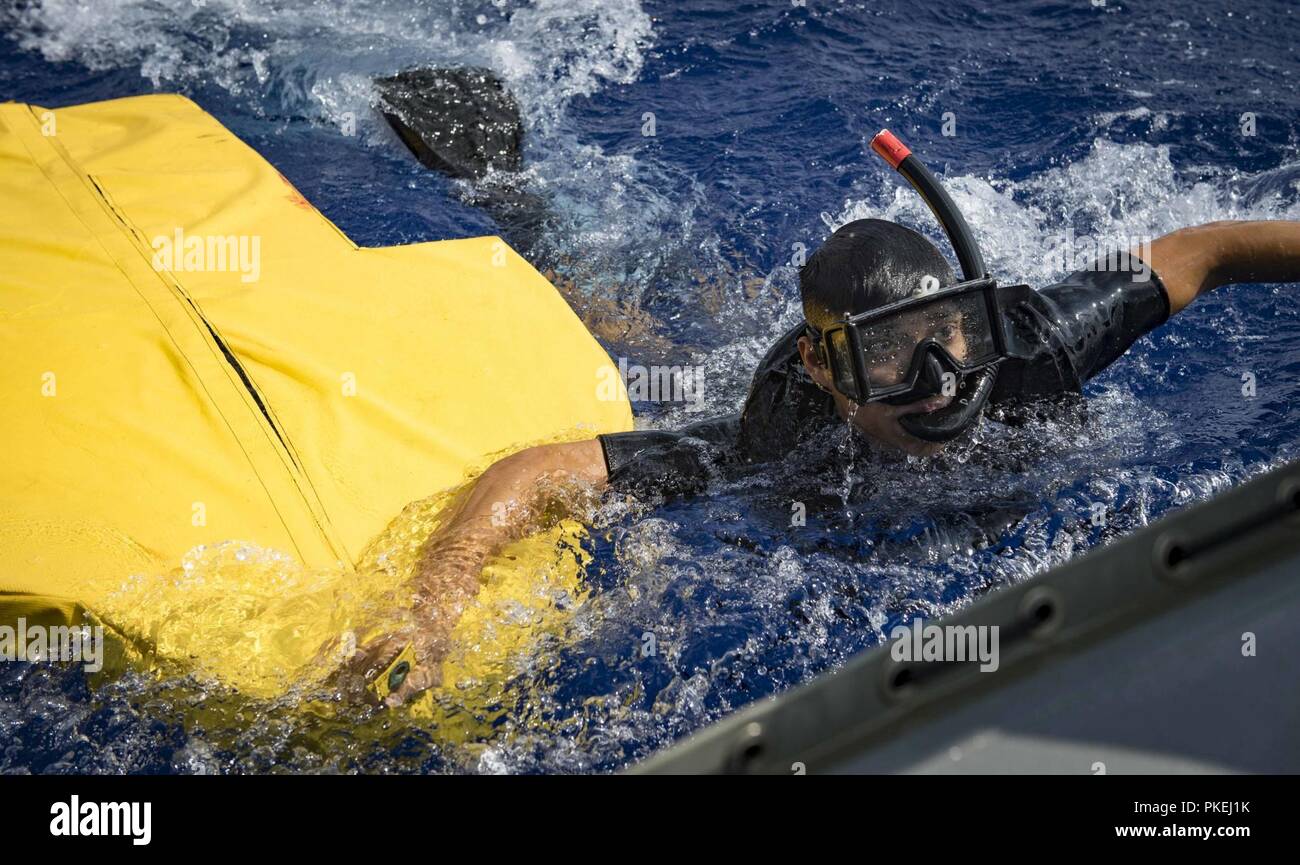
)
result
[(1040, 610), (1043, 611), (1171, 556), (1288, 493), (902, 678), (749, 747)]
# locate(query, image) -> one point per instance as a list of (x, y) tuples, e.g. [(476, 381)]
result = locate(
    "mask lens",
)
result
[(841, 358), (959, 324)]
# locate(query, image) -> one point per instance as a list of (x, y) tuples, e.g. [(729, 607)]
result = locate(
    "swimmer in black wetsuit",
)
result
[(1058, 337), (892, 344)]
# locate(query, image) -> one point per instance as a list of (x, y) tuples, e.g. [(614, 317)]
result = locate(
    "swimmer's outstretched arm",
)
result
[(1192, 261), (508, 501)]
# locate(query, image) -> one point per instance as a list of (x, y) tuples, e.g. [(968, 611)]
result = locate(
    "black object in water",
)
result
[(463, 122), (459, 121)]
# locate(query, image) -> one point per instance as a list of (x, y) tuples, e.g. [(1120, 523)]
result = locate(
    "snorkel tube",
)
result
[(900, 158), (974, 389)]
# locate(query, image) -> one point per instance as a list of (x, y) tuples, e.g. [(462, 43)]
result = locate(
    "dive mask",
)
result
[(917, 347)]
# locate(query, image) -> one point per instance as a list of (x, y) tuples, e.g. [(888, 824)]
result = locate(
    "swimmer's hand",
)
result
[(386, 671), (396, 667)]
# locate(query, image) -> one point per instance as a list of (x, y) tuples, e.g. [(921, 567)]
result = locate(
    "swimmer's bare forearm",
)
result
[(503, 505), (1192, 261), (507, 501)]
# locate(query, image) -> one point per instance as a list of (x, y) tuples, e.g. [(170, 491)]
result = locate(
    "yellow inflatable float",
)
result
[(217, 408)]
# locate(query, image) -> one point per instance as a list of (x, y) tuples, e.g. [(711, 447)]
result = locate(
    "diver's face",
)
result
[(877, 421)]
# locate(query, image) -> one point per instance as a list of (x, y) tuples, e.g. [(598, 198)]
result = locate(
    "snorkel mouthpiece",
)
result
[(969, 393), (947, 423)]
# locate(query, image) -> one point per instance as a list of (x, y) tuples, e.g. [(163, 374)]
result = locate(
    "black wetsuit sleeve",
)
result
[(1062, 335), (659, 462)]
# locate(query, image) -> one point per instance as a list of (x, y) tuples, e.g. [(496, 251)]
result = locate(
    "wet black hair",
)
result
[(864, 265)]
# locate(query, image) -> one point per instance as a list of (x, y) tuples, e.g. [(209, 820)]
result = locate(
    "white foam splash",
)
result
[(309, 55), (1116, 191)]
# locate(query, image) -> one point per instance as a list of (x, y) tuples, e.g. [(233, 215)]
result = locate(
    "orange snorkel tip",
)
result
[(890, 148)]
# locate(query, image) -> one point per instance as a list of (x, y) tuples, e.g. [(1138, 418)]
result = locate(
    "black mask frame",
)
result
[(843, 346)]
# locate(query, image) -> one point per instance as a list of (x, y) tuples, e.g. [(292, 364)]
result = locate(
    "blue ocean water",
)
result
[(1051, 122)]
